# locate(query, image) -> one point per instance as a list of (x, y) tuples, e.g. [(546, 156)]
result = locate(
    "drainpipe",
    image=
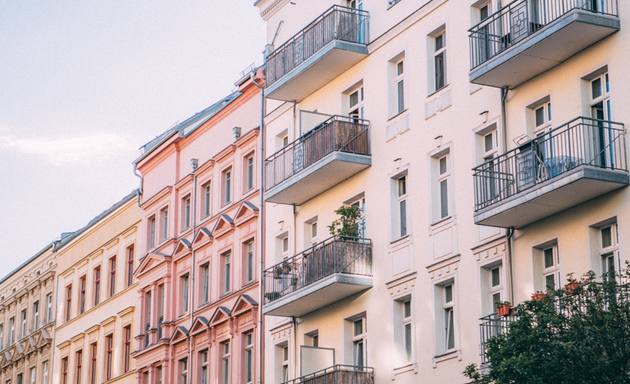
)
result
[(510, 239), (191, 289), (295, 345), (137, 173), (510, 231), (261, 229)]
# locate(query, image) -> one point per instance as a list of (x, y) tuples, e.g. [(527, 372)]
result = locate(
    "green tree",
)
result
[(348, 222), (579, 335)]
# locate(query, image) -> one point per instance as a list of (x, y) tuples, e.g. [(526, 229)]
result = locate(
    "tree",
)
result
[(572, 335), (348, 223)]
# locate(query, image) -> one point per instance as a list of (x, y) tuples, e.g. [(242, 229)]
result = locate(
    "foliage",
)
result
[(577, 335), (348, 222)]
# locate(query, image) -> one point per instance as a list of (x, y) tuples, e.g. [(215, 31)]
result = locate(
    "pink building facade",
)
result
[(198, 294)]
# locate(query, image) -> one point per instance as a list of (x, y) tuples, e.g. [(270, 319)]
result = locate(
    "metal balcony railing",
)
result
[(338, 133), (337, 254), (490, 326), (582, 141), (337, 374), (519, 20), (337, 23)]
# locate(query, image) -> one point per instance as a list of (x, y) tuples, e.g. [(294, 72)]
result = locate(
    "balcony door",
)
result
[(602, 137)]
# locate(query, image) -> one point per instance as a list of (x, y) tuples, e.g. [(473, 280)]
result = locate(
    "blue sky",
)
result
[(83, 84)]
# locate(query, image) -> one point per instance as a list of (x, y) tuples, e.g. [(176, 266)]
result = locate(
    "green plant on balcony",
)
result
[(504, 308), (271, 296), (348, 222)]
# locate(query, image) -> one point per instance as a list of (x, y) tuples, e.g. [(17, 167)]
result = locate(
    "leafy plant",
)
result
[(566, 338), (348, 222)]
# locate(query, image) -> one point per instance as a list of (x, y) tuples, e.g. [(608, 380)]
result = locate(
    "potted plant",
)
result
[(271, 296), (348, 222), (504, 308), (572, 284), (277, 272), (294, 281), (286, 268), (538, 295)]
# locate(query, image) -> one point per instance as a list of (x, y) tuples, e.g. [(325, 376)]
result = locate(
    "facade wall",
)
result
[(95, 333), (198, 283), (27, 323)]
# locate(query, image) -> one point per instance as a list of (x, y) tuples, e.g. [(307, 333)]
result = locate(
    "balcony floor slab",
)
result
[(553, 196)]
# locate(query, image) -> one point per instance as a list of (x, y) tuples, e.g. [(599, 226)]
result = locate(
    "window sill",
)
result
[(447, 356), (400, 239), (398, 114), (441, 221), (405, 368), (438, 91)]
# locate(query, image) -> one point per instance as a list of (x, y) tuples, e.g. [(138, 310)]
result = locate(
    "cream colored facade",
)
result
[(27, 323), (96, 295), (433, 273)]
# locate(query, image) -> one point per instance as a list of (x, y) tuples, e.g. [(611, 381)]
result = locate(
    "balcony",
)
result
[(526, 38), (323, 50), (574, 163), (337, 374), (325, 156), (490, 326), (330, 271)]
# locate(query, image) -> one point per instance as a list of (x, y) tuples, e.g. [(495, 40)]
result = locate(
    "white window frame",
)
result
[(401, 199), (183, 368), (185, 284), (186, 216), (207, 199), (49, 308), (227, 186), (226, 261), (444, 323), (356, 108), (359, 342), (611, 252), (45, 364), (439, 55), (164, 216), (443, 179), (250, 262), (248, 338), (360, 203), (24, 320), (250, 175), (285, 363), (554, 269), (151, 232), (400, 91), (205, 283), (604, 96), (204, 366)]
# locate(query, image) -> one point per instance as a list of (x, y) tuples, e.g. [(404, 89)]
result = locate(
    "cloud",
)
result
[(65, 150)]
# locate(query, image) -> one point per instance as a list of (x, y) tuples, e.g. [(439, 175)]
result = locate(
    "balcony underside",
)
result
[(320, 294), (553, 196), (317, 71), (317, 178), (545, 49)]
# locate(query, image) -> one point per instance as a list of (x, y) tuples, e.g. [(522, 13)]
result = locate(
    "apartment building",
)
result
[(96, 296), (27, 323), (199, 277), (387, 105)]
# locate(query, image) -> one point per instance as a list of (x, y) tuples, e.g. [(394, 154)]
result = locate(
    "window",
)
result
[(19, 379), (441, 187), (35, 316), (206, 199), (45, 372), (109, 343), (602, 141), (225, 366), (249, 173), (551, 267), (2, 336), (183, 370), (161, 309), (151, 232), (24, 331), (249, 357), (97, 285), (68, 301), (542, 116), (312, 339), (285, 245), (145, 377), (205, 287), (285, 140), (401, 200), (129, 265), (439, 59), (283, 350), (158, 373), (488, 147), (361, 224), (82, 295), (227, 186), (250, 262), (404, 334), (204, 366), (359, 339), (400, 87), (492, 287), (79, 360), (226, 259), (355, 104), (186, 212), (127, 346), (148, 304), (64, 370), (93, 364), (185, 286), (164, 214), (12, 327), (112, 276), (609, 250), (445, 317), (49, 308), (33, 375), (600, 98)]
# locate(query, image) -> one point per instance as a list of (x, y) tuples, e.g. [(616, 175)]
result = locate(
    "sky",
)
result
[(84, 84)]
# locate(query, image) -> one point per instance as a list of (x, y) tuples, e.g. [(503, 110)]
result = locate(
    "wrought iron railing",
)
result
[(337, 23), (519, 20), (580, 142), (337, 374), (337, 254), (490, 326), (336, 134)]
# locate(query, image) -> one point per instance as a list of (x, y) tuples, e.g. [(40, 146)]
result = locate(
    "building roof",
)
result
[(188, 126)]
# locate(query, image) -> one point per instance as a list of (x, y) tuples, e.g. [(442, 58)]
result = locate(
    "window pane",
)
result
[(401, 96), (550, 281), (402, 186), (354, 98), (439, 42), (549, 258), (443, 166), (606, 237), (403, 218), (450, 337), (439, 71), (596, 88), (407, 306), (408, 341), (358, 327), (448, 293), (496, 278), (489, 142), (444, 198), (540, 116), (495, 299), (399, 68)]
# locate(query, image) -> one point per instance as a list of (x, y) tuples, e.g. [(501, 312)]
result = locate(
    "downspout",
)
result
[(295, 345), (261, 229), (510, 231), (137, 173), (191, 288)]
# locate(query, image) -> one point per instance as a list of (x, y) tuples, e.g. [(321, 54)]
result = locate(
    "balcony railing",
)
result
[(338, 133), (580, 142), (490, 326), (337, 254), (519, 20), (337, 374), (337, 23)]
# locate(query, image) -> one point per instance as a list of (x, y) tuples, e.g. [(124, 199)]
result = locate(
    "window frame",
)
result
[(130, 260), (207, 199), (112, 276), (186, 210), (249, 358), (97, 285), (225, 362), (399, 80), (79, 361), (250, 172), (439, 60), (109, 345), (226, 186), (82, 286), (68, 308)]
